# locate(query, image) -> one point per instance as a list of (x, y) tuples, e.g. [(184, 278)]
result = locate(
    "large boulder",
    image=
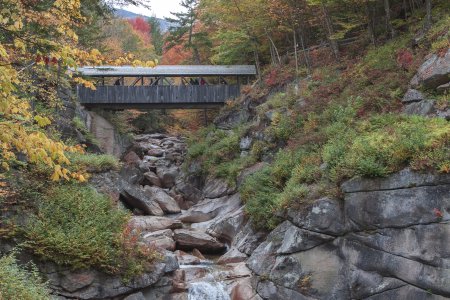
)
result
[(167, 203), (167, 176), (227, 227), (153, 223), (211, 208), (152, 179), (162, 239), (433, 72), (216, 188), (188, 239), (422, 108), (135, 197), (92, 284)]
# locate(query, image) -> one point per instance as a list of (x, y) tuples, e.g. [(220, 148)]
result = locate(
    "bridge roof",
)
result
[(169, 71)]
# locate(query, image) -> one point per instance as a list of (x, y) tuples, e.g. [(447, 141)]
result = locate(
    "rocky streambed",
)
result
[(193, 222)]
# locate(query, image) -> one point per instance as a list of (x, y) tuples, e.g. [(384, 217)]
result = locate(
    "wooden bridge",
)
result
[(163, 86)]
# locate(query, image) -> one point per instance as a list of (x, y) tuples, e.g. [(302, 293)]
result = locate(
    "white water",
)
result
[(207, 291)]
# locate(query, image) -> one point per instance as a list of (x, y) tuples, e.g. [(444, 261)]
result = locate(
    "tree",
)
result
[(157, 38), (183, 30), (37, 40)]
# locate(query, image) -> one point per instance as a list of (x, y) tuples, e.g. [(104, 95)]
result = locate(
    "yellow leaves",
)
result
[(42, 121), (85, 82), (3, 53)]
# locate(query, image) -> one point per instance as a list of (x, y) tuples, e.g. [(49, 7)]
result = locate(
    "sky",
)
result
[(159, 8)]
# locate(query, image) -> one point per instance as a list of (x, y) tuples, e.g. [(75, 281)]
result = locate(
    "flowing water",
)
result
[(204, 290)]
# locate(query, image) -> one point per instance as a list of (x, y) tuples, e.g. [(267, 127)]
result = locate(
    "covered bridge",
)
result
[(183, 86)]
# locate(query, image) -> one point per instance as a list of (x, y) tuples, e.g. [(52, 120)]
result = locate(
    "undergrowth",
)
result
[(19, 282)]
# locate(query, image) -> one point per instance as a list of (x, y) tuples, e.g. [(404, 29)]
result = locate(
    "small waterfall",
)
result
[(207, 291)]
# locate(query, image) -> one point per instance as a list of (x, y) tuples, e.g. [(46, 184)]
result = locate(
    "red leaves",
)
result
[(404, 58), (139, 24), (438, 213)]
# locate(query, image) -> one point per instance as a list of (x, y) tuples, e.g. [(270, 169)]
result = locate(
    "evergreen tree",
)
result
[(156, 35)]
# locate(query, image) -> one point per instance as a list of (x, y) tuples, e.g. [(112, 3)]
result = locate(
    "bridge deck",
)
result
[(157, 96)]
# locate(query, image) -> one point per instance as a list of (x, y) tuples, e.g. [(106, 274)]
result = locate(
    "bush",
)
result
[(259, 193), (76, 226), (17, 282), (93, 162), (385, 144)]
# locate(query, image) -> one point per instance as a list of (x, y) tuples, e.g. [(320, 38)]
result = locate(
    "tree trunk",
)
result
[(428, 19), (370, 27), (305, 53), (274, 49), (295, 52), (329, 27), (387, 10)]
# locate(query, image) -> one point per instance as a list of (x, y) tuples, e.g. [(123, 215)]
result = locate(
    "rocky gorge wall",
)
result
[(388, 239)]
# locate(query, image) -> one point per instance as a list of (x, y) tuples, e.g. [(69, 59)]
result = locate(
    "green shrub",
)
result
[(17, 282), (259, 194), (93, 162), (386, 143), (76, 226)]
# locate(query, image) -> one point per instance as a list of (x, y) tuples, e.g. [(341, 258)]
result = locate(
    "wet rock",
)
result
[(135, 197), (413, 95), (247, 240), (171, 261), (216, 188), (178, 283), (433, 72), (198, 254), (162, 239), (227, 227), (188, 239), (211, 208), (186, 259), (244, 290), (153, 223), (167, 203), (232, 256), (167, 176), (422, 108), (262, 258), (152, 179)]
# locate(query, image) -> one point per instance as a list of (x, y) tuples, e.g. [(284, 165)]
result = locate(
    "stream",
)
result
[(192, 222)]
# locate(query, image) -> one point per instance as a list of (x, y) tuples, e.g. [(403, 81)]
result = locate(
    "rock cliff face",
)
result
[(388, 239)]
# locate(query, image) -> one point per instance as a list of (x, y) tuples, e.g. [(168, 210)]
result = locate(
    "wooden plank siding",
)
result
[(158, 96)]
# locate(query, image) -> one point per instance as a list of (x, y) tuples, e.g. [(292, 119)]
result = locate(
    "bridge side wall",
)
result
[(159, 94)]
